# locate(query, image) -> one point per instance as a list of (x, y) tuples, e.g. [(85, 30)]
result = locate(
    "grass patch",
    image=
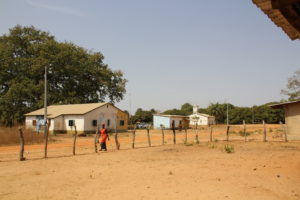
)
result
[(229, 148), (188, 144), (241, 133)]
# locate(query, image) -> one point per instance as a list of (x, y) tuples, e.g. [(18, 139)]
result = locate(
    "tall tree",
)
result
[(75, 74), (293, 87)]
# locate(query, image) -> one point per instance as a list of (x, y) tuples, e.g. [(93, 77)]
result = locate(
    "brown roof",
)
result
[(281, 105), (71, 109), (278, 18)]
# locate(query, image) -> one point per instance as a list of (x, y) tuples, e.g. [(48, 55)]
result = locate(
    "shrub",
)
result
[(229, 148)]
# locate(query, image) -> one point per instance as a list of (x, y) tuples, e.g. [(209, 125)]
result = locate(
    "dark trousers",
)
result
[(103, 146)]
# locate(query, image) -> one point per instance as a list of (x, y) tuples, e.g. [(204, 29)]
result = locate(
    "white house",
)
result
[(168, 120), (201, 118), (86, 117)]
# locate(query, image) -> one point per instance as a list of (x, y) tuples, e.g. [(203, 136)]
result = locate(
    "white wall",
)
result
[(28, 122), (79, 121), (101, 114), (203, 120)]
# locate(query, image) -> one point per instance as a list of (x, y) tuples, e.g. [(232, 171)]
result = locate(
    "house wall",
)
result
[(79, 122), (203, 120), (102, 115), (177, 121), (29, 121), (122, 116), (158, 120), (292, 118)]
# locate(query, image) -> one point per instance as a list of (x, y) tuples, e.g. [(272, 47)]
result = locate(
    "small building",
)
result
[(292, 118), (86, 117), (201, 118), (167, 120)]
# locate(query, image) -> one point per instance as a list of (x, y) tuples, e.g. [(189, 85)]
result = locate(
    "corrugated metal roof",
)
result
[(277, 17), (281, 105), (70, 109)]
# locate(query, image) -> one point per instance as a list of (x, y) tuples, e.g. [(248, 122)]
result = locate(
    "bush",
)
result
[(229, 148)]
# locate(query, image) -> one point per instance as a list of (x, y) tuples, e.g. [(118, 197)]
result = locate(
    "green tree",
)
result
[(293, 87), (75, 74), (142, 116)]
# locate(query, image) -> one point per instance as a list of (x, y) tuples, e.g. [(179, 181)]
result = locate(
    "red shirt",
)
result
[(104, 135)]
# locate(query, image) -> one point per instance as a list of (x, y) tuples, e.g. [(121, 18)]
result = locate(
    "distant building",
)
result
[(201, 118), (292, 118), (167, 120), (86, 117)]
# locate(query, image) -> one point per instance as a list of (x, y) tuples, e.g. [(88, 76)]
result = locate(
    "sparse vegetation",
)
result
[(10, 136), (229, 148)]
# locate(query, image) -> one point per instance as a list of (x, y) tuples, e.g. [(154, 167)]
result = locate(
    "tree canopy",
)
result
[(142, 116), (293, 87), (75, 75), (255, 114)]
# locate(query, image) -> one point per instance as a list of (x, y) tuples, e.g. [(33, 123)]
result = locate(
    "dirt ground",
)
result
[(255, 170)]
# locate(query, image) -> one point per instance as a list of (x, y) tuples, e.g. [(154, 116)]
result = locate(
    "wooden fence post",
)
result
[(162, 134), (96, 139), (148, 135), (133, 136), (116, 136), (21, 144), (245, 134), (265, 131), (227, 133), (210, 135), (174, 132), (46, 140), (283, 126), (196, 135), (74, 140), (185, 138)]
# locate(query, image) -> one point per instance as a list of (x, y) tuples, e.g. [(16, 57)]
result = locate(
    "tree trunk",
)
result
[(245, 134), (74, 140), (283, 126), (21, 144), (227, 133), (148, 135), (133, 136), (196, 134), (185, 136), (210, 136), (96, 139), (46, 141), (163, 135), (174, 133), (265, 131)]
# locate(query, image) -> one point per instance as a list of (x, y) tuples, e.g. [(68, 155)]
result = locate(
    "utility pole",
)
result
[(45, 116)]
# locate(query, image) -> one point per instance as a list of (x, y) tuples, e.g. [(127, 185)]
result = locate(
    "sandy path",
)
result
[(255, 171)]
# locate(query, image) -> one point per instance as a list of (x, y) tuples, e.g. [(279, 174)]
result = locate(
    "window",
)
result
[(122, 123), (71, 122), (33, 122), (180, 122), (94, 122), (108, 123)]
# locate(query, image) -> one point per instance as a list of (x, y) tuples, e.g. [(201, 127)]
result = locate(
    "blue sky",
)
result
[(172, 51)]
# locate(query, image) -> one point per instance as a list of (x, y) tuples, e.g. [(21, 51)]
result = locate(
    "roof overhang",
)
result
[(284, 13), (282, 105)]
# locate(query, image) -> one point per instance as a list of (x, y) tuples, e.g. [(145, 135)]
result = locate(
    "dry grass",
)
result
[(10, 136)]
